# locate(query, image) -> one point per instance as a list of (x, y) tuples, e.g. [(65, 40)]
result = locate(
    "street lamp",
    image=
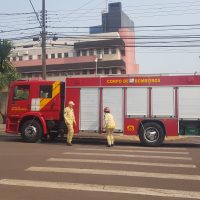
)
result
[(96, 61), (98, 57)]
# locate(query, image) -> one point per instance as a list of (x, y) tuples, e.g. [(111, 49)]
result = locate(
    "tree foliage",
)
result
[(8, 72)]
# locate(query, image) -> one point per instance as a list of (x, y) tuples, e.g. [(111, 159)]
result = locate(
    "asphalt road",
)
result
[(90, 170)]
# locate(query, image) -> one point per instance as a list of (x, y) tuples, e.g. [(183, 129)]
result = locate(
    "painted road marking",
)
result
[(115, 173), (128, 156), (137, 151), (103, 188), (122, 162), (152, 148)]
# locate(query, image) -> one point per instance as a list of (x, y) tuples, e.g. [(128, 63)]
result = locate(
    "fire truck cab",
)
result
[(150, 106), (35, 108)]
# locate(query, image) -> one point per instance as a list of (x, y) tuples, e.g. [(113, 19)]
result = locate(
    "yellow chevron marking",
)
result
[(55, 92), (56, 88)]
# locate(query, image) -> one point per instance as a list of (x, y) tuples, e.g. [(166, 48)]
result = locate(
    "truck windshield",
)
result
[(21, 92)]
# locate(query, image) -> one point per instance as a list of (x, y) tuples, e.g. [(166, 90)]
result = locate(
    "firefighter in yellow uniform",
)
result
[(70, 121), (109, 126)]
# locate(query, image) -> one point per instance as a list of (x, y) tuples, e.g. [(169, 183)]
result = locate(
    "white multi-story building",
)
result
[(102, 53)]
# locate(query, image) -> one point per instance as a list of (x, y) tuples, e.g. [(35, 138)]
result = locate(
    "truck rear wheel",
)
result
[(151, 134), (31, 131)]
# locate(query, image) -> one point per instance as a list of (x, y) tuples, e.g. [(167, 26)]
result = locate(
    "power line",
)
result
[(12, 14), (23, 29)]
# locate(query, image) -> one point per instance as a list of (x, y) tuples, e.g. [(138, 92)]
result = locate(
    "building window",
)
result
[(78, 53), (39, 57), (49, 74), (99, 51), (53, 56), (47, 56), (59, 55), (36, 75), (20, 58), (114, 71), (84, 71), (30, 57), (91, 52), (123, 52), (23, 75), (99, 71), (106, 71), (91, 71), (66, 55), (14, 58), (106, 50), (29, 75), (70, 73), (123, 72), (77, 73), (56, 73), (84, 52), (113, 50)]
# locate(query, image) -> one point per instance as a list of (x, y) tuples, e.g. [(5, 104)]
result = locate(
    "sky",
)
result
[(158, 25)]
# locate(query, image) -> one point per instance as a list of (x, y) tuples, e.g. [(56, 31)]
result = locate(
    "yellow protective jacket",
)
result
[(69, 116), (109, 121)]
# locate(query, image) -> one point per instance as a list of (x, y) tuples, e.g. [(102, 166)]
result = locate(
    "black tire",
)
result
[(31, 131), (151, 134)]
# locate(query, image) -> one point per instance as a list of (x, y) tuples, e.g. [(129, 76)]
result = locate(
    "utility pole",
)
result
[(43, 41)]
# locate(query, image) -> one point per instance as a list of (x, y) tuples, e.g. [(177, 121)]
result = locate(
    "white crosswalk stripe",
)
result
[(133, 151), (115, 173), (122, 162), (152, 148), (103, 188), (128, 156)]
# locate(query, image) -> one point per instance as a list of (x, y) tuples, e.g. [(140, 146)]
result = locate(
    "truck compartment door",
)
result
[(89, 109), (163, 102), (189, 102), (113, 98), (137, 102)]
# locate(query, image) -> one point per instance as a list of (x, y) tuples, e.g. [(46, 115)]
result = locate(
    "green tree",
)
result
[(8, 72)]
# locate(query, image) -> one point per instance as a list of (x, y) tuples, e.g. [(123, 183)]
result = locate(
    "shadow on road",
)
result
[(187, 143)]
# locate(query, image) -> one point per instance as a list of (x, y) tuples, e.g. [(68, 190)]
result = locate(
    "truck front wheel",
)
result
[(31, 131), (151, 134)]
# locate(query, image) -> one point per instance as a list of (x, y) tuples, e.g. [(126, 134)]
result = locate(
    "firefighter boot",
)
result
[(109, 140), (112, 140)]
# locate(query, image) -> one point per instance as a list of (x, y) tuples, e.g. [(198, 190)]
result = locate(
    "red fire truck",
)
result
[(151, 106)]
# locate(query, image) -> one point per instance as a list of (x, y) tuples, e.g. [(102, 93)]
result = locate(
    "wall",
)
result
[(128, 37)]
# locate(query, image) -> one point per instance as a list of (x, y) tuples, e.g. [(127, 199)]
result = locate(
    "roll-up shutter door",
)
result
[(113, 98), (89, 108), (163, 101), (137, 102), (189, 102)]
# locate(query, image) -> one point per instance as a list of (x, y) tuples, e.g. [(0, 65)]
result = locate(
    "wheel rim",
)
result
[(30, 131), (151, 134)]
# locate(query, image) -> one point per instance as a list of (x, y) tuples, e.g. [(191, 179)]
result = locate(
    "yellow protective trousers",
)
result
[(70, 133), (110, 138)]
